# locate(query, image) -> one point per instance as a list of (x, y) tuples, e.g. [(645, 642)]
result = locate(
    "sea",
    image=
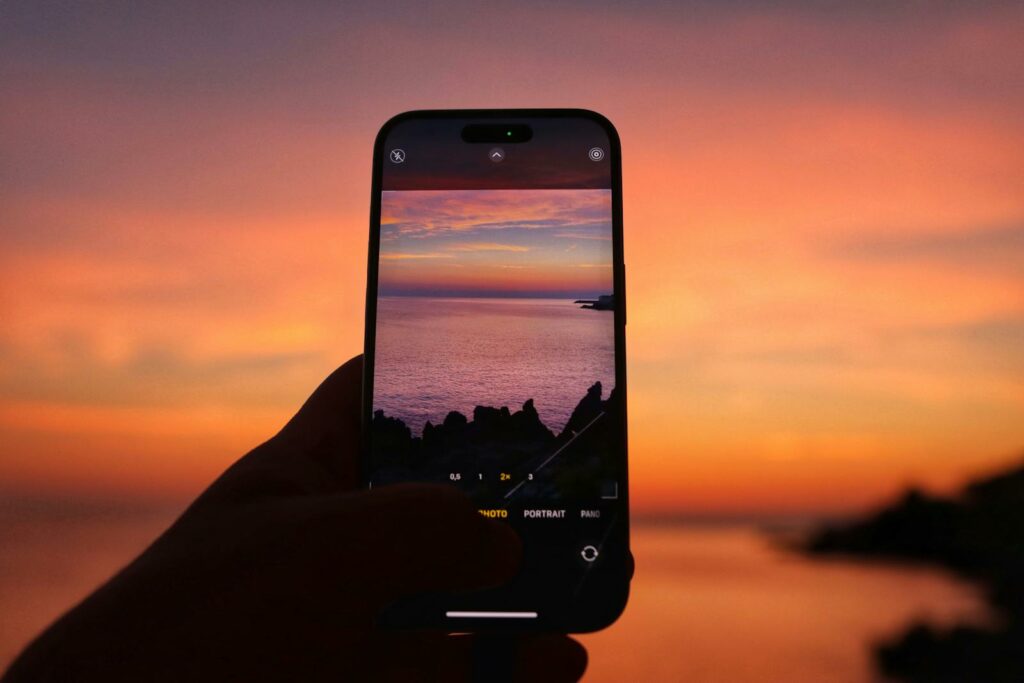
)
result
[(709, 603), (435, 355)]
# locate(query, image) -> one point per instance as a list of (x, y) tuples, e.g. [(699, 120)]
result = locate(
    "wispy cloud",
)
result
[(420, 214), (412, 257), (488, 246), (602, 235), (967, 248), (503, 239)]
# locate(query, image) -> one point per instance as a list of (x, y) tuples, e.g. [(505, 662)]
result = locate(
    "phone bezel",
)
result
[(599, 616)]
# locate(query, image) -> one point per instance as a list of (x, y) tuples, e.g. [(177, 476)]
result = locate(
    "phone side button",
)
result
[(623, 297)]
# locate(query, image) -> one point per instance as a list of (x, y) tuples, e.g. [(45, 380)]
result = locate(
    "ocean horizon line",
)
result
[(491, 295)]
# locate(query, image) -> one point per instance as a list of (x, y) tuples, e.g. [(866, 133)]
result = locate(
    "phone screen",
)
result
[(495, 359)]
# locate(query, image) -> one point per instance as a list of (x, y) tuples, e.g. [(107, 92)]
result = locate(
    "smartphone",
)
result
[(495, 350)]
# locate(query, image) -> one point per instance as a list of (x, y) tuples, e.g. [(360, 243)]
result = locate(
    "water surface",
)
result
[(727, 605), (708, 605), (435, 355)]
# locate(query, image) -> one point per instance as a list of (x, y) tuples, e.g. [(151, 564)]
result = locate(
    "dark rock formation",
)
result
[(498, 440), (605, 302), (393, 436), (589, 407), (979, 534)]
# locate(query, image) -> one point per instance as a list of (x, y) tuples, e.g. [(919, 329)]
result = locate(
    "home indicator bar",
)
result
[(490, 615)]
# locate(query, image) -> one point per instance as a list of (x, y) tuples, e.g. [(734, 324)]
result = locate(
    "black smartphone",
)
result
[(495, 350)]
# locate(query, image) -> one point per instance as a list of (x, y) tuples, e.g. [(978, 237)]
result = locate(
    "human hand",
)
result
[(276, 572)]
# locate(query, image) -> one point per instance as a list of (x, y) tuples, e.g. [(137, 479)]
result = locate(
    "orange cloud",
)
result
[(820, 306)]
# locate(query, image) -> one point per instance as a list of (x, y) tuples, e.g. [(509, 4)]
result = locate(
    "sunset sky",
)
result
[(824, 230), (542, 243)]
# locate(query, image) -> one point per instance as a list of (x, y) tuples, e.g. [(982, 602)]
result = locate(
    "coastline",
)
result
[(977, 534)]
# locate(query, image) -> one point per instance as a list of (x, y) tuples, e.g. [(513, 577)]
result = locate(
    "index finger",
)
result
[(373, 547)]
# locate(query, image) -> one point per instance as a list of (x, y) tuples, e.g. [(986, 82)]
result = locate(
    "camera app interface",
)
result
[(495, 359)]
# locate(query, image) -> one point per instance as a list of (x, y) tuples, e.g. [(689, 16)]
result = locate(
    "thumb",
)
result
[(326, 429), (334, 406)]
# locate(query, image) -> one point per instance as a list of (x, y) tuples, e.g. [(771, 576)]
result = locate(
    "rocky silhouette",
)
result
[(979, 534), (605, 302), (497, 440)]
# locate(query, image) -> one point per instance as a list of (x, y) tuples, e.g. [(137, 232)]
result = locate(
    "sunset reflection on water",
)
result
[(709, 604)]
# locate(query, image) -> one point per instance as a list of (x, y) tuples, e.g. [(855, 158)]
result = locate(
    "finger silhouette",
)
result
[(404, 539), (317, 451), (326, 428)]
